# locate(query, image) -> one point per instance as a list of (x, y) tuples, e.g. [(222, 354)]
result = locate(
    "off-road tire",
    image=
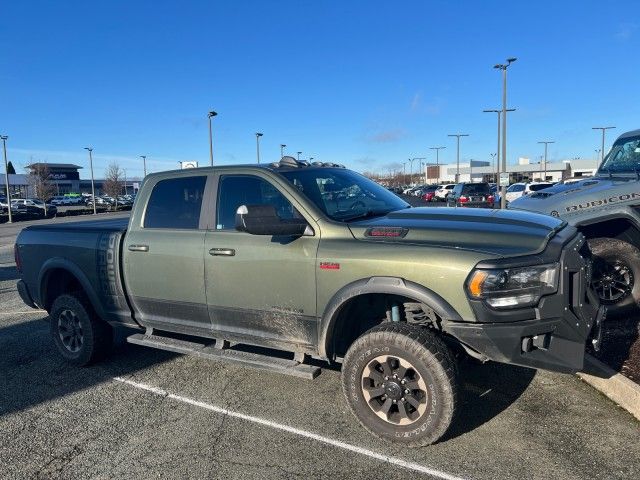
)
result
[(97, 335), (431, 359), (610, 251)]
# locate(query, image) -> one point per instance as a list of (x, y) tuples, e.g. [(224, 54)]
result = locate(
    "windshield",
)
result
[(344, 195), (516, 187), (624, 157)]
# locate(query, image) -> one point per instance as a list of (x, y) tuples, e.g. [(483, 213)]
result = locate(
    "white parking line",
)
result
[(296, 431), (39, 312)]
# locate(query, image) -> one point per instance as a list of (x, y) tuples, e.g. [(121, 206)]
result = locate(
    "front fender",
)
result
[(381, 285)]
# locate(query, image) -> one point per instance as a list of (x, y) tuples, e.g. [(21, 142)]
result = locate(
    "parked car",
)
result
[(443, 191), (429, 192), (57, 200), (477, 195), (35, 207), (397, 295), (517, 190)]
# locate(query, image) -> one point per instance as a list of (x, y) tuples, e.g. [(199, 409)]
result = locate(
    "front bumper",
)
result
[(551, 336)]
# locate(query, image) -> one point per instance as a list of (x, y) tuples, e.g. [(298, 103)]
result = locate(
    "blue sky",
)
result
[(365, 83)]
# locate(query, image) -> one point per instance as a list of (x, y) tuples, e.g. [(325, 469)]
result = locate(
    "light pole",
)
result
[(458, 135), (437, 149), (603, 130), (493, 165), (144, 164), (125, 180), (258, 135), (6, 175), (299, 155), (503, 67), (545, 158), (404, 171), (412, 160), (282, 145), (499, 112), (211, 114), (93, 189)]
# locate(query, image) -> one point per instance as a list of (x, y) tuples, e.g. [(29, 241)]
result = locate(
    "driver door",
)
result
[(259, 286)]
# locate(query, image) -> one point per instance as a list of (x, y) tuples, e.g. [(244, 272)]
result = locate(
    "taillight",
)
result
[(463, 199), (16, 256)]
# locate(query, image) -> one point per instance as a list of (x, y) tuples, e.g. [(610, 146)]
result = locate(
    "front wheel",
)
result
[(616, 275), (400, 383)]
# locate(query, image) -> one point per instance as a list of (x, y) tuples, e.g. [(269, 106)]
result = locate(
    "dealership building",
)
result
[(523, 171), (65, 177)]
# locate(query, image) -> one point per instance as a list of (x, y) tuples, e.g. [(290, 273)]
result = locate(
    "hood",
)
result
[(563, 200), (499, 232)]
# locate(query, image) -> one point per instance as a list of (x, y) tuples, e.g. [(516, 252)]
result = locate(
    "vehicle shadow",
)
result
[(620, 347), (486, 391), (33, 372)]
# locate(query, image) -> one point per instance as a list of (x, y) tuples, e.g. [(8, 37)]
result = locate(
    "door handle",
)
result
[(138, 248), (222, 252)]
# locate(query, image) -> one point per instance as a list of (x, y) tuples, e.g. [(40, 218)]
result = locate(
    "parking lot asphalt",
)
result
[(152, 414)]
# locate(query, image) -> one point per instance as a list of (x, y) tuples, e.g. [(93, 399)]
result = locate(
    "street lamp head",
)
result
[(258, 134), (499, 66), (511, 60), (299, 153), (4, 137), (212, 114), (90, 149), (282, 145)]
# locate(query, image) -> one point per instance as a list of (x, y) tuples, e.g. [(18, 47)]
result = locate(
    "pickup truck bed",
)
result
[(90, 251)]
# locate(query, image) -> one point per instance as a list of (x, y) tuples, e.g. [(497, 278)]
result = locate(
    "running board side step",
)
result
[(255, 360)]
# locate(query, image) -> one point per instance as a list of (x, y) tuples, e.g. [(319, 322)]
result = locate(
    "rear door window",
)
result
[(175, 203)]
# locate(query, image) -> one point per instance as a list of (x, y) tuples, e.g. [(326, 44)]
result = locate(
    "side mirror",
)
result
[(263, 220)]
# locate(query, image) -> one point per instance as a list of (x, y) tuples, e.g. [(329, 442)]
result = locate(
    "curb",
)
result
[(624, 392)]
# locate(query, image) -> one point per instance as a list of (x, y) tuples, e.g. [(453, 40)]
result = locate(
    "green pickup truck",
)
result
[(319, 263)]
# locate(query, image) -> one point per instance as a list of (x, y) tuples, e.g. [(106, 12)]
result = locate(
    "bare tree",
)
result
[(112, 185), (40, 182)]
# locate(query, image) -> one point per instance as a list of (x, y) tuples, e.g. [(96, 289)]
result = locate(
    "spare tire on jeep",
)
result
[(616, 275)]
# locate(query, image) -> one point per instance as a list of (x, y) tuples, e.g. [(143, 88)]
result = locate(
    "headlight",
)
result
[(513, 287)]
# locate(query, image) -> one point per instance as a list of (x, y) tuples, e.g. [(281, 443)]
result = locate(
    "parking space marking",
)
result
[(296, 431), (39, 312)]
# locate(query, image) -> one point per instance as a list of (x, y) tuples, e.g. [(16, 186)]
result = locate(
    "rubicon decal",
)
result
[(604, 201), (329, 266)]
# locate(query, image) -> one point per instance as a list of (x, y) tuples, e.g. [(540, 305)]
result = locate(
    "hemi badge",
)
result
[(329, 266)]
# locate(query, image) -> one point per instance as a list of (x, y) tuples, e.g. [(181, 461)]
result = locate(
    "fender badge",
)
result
[(329, 266)]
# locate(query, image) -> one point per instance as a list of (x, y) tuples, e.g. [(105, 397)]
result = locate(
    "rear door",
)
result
[(163, 255), (260, 287)]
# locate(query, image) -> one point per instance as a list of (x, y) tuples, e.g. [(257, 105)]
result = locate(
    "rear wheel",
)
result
[(80, 336), (400, 383), (616, 275)]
